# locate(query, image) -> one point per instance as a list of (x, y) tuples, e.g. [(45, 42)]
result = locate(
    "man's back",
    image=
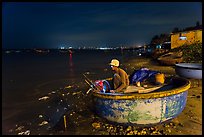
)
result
[(124, 76)]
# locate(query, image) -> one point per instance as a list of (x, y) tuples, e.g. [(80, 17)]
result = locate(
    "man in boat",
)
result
[(120, 78)]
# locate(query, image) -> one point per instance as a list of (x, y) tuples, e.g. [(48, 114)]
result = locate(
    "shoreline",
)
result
[(82, 121)]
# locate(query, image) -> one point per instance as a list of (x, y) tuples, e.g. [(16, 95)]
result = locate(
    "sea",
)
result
[(28, 76)]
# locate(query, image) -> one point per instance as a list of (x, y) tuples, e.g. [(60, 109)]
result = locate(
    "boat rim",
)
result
[(150, 95), (184, 65)]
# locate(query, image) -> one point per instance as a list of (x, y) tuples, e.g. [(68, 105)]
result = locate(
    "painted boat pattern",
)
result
[(150, 108)]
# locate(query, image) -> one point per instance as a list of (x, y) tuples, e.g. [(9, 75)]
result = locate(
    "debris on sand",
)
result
[(43, 123), (27, 132), (40, 116), (19, 128), (76, 93), (96, 125), (43, 98), (67, 87)]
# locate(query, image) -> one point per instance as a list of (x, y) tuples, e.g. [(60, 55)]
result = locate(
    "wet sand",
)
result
[(81, 120)]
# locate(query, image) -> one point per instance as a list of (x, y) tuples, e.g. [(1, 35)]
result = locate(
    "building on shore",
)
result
[(188, 36)]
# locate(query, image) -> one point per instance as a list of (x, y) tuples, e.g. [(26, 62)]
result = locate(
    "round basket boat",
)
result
[(152, 108), (189, 70)]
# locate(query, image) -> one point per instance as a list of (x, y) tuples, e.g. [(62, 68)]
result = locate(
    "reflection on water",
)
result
[(71, 63)]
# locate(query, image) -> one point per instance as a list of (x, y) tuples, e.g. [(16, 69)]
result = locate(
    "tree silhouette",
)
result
[(176, 29), (197, 23)]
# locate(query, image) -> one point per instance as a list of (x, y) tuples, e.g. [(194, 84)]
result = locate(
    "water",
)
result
[(27, 76)]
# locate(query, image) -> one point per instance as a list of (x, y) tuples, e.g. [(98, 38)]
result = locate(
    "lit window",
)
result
[(158, 46), (182, 38)]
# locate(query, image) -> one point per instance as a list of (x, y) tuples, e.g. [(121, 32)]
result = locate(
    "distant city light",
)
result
[(103, 48)]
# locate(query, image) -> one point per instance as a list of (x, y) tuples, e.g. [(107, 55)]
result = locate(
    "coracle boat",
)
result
[(189, 70), (145, 109), (158, 52), (170, 58)]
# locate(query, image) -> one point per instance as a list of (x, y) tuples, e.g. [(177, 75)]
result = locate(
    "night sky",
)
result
[(51, 24)]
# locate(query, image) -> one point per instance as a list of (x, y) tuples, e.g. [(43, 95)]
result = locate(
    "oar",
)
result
[(89, 88), (90, 83)]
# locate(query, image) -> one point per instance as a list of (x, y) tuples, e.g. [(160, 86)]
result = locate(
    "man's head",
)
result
[(114, 64)]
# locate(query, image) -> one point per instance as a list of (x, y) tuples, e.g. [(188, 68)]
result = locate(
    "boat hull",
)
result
[(143, 109), (189, 70), (170, 61), (170, 58)]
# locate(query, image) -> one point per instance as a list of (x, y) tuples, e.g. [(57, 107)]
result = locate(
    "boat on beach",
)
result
[(158, 52), (150, 108), (170, 58), (189, 70)]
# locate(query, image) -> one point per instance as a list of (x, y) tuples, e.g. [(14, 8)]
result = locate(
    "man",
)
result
[(120, 77)]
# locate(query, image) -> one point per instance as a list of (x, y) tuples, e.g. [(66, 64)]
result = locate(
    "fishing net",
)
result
[(103, 85)]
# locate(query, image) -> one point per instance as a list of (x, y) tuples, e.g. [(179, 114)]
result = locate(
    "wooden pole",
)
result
[(65, 122)]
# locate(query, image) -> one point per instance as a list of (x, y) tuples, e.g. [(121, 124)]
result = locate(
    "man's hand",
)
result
[(112, 91)]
